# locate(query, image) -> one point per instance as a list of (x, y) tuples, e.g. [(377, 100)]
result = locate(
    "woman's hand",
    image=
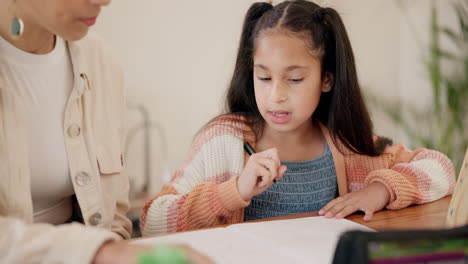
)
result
[(259, 172), (370, 199), (119, 252), (122, 252)]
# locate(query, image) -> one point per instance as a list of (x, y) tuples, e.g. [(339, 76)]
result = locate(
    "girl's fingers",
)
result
[(347, 210), (368, 215), (271, 154), (329, 205), (282, 169), (263, 174), (269, 164), (337, 207)]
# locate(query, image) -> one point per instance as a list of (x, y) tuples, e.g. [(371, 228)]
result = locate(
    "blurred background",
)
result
[(178, 58)]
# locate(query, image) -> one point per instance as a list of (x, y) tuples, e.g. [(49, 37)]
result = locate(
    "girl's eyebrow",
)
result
[(261, 66), (294, 67), (289, 68)]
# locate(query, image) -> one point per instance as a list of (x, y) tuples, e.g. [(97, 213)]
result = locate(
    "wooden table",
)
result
[(426, 216)]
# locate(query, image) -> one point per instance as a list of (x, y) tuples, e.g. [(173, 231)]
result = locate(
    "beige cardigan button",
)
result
[(95, 219), (73, 130), (82, 178)]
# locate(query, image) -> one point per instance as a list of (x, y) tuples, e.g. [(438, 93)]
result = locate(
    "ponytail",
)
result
[(239, 101), (240, 95), (343, 109)]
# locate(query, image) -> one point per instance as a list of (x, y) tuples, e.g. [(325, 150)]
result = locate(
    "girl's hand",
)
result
[(259, 172), (370, 199)]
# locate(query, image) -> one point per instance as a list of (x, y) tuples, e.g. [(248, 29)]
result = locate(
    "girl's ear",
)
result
[(327, 82)]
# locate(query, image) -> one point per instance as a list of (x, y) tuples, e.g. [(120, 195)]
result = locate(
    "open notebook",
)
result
[(303, 240)]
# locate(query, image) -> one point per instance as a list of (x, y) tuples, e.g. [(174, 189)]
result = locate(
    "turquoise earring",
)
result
[(17, 27)]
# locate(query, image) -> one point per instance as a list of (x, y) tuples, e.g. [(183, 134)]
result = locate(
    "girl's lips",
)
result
[(279, 117), (89, 21)]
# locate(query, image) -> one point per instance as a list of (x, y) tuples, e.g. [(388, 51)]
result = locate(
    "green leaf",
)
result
[(449, 55), (442, 125), (457, 39)]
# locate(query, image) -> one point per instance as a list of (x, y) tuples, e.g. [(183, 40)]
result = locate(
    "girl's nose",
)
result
[(279, 92)]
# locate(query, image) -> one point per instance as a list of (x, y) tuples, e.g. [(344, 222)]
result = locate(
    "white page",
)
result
[(223, 246), (311, 239), (303, 240)]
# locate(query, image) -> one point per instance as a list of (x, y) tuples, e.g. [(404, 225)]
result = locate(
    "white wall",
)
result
[(178, 57)]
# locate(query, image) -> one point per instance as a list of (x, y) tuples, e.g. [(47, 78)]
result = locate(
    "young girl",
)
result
[(295, 97)]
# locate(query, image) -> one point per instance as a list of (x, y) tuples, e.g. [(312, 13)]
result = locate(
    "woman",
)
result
[(62, 101)]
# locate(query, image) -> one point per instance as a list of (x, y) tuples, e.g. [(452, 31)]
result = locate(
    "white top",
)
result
[(45, 82)]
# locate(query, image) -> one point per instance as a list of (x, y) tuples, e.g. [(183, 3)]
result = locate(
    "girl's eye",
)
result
[(264, 79), (297, 80)]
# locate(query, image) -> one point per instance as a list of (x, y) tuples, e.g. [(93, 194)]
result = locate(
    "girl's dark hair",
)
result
[(342, 109)]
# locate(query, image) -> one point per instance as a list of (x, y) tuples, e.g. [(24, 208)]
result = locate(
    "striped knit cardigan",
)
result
[(203, 191)]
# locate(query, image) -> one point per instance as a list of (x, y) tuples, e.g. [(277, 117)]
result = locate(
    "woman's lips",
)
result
[(89, 21)]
